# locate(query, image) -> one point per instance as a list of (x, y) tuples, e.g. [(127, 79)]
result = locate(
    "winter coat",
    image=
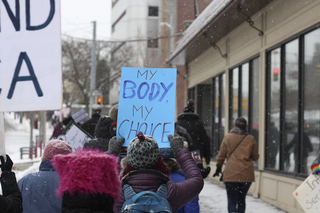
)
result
[(179, 194), (11, 200), (200, 140), (239, 167), (183, 132), (102, 132), (193, 206), (39, 190), (90, 125)]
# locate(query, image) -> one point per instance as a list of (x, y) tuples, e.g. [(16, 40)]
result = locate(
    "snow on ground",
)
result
[(212, 199)]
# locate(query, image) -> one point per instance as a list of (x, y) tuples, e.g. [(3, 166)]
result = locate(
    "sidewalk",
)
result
[(213, 199)]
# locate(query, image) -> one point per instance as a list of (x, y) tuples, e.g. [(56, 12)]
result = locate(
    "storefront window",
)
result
[(311, 112), (245, 90), (272, 142), (293, 104), (218, 116), (255, 100), (244, 95), (290, 132)]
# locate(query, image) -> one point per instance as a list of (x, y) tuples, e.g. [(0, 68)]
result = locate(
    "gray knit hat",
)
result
[(143, 151)]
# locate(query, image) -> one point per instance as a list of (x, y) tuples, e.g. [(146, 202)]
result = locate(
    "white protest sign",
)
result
[(147, 104), (74, 136), (2, 142), (308, 194), (30, 55)]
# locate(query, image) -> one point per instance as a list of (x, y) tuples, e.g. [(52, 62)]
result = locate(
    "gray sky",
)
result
[(77, 17)]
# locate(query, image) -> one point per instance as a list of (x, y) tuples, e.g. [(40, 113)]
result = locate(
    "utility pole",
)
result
[(163, 34), (93, 68)]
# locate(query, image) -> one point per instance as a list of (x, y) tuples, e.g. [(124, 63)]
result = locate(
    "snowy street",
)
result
[(212, 199)]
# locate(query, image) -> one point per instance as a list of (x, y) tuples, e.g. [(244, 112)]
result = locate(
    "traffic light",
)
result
[(99, 100), (275, 72)]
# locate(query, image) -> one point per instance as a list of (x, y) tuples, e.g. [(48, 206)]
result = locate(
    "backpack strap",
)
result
[(128, 192), (162, 191)]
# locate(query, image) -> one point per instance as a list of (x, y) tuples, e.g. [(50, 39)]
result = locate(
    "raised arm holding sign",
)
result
[(147, 103)]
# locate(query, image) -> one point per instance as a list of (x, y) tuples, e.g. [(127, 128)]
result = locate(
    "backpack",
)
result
[(146, 201)]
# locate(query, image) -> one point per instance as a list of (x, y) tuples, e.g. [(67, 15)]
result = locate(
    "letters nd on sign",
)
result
[(147, 103), (30, 55)]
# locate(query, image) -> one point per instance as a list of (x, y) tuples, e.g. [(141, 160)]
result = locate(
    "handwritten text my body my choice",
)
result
[(151, 92)]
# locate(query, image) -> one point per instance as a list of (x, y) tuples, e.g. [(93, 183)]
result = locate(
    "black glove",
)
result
[(6, 166), (115, 145), (218, 170), (176, 143), (205, 171)]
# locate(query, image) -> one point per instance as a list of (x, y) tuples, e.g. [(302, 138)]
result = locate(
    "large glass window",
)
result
[(311, 113), (218, 115), (204, 106), (272, 142), (244, 94), (293, 104)]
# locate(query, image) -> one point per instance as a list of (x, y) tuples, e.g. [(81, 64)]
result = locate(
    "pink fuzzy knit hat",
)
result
[(54, 147)]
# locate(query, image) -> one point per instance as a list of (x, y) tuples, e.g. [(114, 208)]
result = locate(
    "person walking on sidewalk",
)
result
[(240, 149), (11, 198), (200, 140)]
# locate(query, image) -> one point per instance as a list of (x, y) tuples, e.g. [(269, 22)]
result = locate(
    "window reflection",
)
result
[(299, 104), (291, 106), (245, 91), (311, 97), (235, 92), (272, 146), (255, 101)]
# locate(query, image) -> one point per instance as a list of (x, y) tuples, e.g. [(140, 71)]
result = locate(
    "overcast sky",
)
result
[(77, 17)]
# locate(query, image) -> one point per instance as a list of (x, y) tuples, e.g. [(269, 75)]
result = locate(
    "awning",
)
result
[(217, 20)]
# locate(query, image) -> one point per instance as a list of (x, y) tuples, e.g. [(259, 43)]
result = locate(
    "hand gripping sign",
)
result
[(147, 103)]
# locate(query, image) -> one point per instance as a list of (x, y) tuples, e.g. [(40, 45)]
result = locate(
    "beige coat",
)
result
[(239, 167)]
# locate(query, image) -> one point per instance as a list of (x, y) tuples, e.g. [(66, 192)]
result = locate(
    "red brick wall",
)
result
[(181, 89), (185, 11)]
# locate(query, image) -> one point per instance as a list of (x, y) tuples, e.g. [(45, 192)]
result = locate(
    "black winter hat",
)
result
[(189, 107)]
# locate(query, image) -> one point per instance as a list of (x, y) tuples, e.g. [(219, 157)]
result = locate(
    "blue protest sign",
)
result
[(147, 103)]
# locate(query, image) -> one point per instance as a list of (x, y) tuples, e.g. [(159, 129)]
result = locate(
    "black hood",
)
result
[(188, 116), (103, 127)]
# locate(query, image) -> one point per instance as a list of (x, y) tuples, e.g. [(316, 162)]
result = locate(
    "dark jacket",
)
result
[(11, 200), (103, 132), (39, 190), (183, 132), (90, 125), (179, 194), (200, 140)]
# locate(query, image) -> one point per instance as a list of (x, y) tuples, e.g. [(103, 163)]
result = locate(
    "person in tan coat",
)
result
[(240, 150)]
